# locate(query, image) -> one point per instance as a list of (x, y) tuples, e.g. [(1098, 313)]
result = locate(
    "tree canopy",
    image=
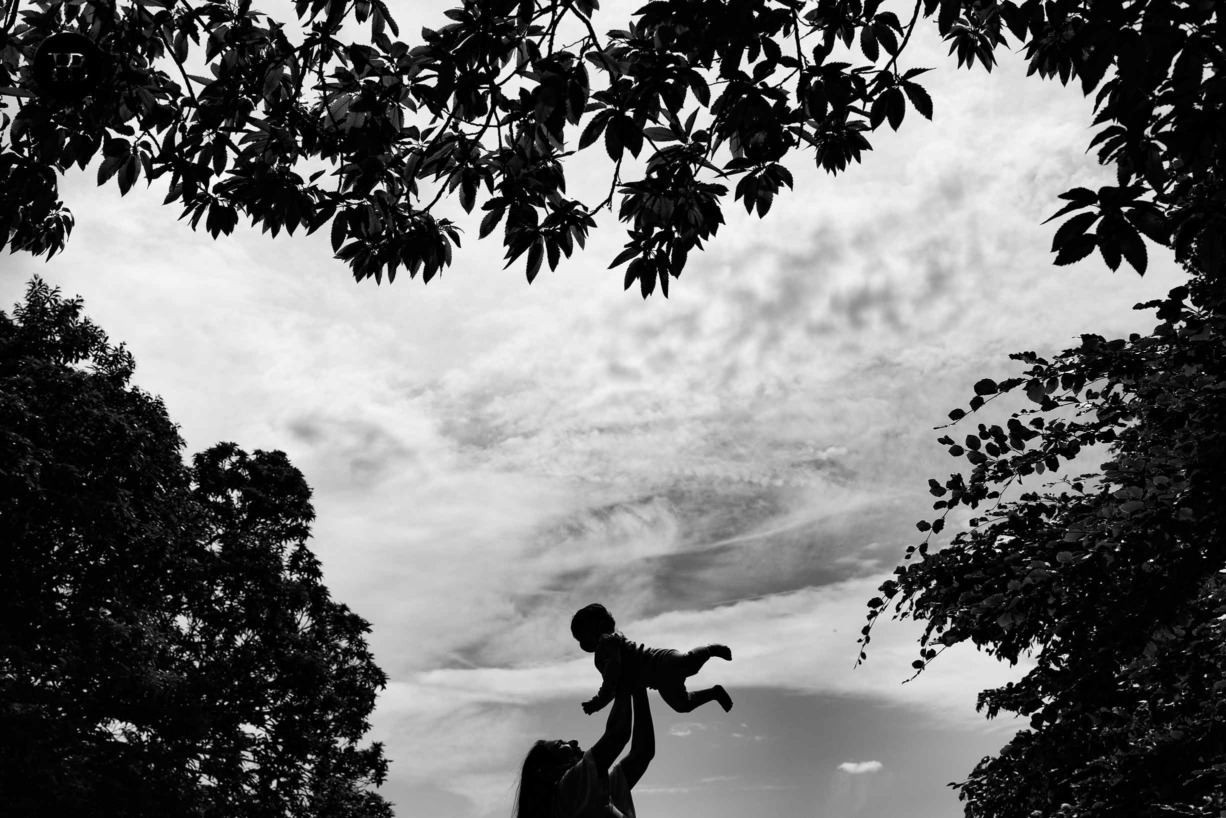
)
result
[(684, 98), (1113, 579), (167, 644)]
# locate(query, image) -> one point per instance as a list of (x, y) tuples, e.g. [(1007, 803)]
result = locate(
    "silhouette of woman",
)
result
[(561, 780)]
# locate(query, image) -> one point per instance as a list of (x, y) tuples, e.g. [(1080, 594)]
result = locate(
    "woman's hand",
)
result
[(616, 733), (643, 743)]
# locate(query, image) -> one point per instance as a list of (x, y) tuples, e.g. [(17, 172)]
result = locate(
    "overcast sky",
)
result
[(743, 462)]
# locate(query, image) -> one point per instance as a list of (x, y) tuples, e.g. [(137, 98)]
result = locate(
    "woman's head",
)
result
[(590, 623), (538, 780)]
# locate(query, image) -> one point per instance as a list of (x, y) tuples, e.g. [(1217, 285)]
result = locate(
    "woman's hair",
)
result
[(538, 782), (594, 617)]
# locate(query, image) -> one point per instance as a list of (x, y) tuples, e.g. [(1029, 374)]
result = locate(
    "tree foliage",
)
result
[(686, 96), (167, 645), (1114, 579)]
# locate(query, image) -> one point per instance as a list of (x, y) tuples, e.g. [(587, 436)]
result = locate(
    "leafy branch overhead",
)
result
[(298, 129)]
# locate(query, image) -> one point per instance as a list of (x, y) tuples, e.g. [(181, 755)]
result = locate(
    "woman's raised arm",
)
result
[(616, 733), (643, 742)]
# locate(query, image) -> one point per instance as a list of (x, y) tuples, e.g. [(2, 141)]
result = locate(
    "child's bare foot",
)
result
[(721, 696), (722, 651)]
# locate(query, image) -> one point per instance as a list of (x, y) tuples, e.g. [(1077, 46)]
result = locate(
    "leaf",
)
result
[(128, 174), (221, 219), (956, 414), (1075, 250), (1110, 253), (272, 80), (765, 198), (1133, 248), (895, 107), (887, 38), (338, 231), (625, 255), (868, 43), (987, 386), (679, 255), (490, 222), (631, 134), (591, 132), (747, 188), (950, 10), (536, 254), (1151, 223), (698, 85), (115, 146), (387, 16), (1015, 18), (468, 192), (108, 168), (1189, 70), (613, 143), (1080, 195), (660, 134), (1092, 67), (1071, 229), (919, 98), (877, 113)]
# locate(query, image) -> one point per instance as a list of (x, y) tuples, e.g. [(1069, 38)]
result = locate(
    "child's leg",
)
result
[(683, 701), (696, 658)]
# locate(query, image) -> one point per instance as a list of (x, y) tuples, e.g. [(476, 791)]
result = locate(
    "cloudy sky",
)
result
[(743, 462)]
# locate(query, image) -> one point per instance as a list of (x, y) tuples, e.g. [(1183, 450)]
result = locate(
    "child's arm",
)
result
[(609, 661), (616, 733)]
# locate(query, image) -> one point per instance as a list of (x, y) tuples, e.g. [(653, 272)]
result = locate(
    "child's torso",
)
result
[(640, 665)]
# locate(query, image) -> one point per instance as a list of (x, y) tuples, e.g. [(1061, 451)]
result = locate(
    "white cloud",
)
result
[(686, 728), (860, 767), (661, 790), (802, 641)]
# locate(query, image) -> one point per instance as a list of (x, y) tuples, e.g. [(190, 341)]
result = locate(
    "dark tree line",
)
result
[(167, 644), (1113, 578)]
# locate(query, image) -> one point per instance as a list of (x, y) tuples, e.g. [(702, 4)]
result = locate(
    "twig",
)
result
[(906, 37), (617, 177)]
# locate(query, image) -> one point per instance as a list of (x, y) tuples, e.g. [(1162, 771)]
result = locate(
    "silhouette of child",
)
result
[(624, 664)]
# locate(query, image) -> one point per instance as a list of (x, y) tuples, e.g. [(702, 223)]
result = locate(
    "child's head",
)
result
[(590, 623)]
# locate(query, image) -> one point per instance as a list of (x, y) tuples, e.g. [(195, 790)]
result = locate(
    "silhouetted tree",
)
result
[(491, 105), (1114, 579), (167, 645)]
